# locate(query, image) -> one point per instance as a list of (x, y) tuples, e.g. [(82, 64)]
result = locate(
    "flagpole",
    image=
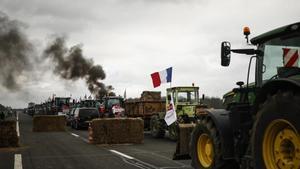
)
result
[(171, 78)]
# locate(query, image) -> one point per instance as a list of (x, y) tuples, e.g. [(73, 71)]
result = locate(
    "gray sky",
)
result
[(133, 38)]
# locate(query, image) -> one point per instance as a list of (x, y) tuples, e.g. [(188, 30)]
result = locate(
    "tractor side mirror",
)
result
[(225, 53), (240, 83)]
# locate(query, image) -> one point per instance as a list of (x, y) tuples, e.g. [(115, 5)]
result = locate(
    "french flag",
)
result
[(164, 76)]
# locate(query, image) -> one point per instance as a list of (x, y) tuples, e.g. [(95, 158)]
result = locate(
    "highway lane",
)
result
[(64, 150), (154, 151), (60, 150)]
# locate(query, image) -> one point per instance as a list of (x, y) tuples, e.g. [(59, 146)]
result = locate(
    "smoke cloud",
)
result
[(70, 64), (15, 52), (17, 60)]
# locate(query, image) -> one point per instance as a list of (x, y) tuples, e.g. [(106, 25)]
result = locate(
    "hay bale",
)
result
[(8, 134), (150, 96), (49, 123), (117, 130)]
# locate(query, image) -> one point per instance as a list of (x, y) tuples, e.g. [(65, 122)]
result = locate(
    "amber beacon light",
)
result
[(246, 31)]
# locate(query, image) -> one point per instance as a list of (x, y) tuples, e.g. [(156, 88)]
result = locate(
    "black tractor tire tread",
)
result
[(279, 102), (160, 133)]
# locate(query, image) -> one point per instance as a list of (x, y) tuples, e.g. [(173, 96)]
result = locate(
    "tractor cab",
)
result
[(280, 53), (277, 54), (112, 106), (60, 105), (185, 100), (277, 63)]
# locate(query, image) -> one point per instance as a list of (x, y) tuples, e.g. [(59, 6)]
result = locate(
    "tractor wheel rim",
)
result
[(281, 146), (205, 150)]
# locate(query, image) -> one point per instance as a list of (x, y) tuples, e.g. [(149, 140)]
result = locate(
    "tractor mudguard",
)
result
[(221, 119), (270, 88)]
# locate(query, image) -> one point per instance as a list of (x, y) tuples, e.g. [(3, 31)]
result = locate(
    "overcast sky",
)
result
[(133, 38)]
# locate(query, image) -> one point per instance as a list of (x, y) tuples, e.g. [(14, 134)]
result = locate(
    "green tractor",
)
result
[(260, 128), (186, 100), (237, 95)]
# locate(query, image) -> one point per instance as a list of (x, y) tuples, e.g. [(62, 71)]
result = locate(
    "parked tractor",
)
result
[(237, 95), (260, 129), (30, 108), (112, 106), (186, 100), (60, 105)]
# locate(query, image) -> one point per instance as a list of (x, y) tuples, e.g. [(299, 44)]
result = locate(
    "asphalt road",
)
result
[(71, 150)]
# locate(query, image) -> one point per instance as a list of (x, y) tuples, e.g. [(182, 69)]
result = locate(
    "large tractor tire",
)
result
[(276, 134), (156, 127), (206, 149)]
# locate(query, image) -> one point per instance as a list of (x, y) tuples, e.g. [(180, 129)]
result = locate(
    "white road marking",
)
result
[(17, 125), (18, 161), (85, 140), (133, 161), (74, 135), (180, 165), (121, 154), (136, 162), (78, 136), (17, 128)]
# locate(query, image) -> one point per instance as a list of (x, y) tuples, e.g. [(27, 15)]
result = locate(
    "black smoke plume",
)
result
[(15, 53), (17, 60), (70, 64)]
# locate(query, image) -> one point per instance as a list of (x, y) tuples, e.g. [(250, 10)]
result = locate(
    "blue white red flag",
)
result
[(164, 76)]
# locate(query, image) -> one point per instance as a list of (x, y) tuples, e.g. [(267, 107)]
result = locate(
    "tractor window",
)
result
[(182, 97), (280, 53), (229, 98), (187, 97), (62, 101), (112, 102)]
